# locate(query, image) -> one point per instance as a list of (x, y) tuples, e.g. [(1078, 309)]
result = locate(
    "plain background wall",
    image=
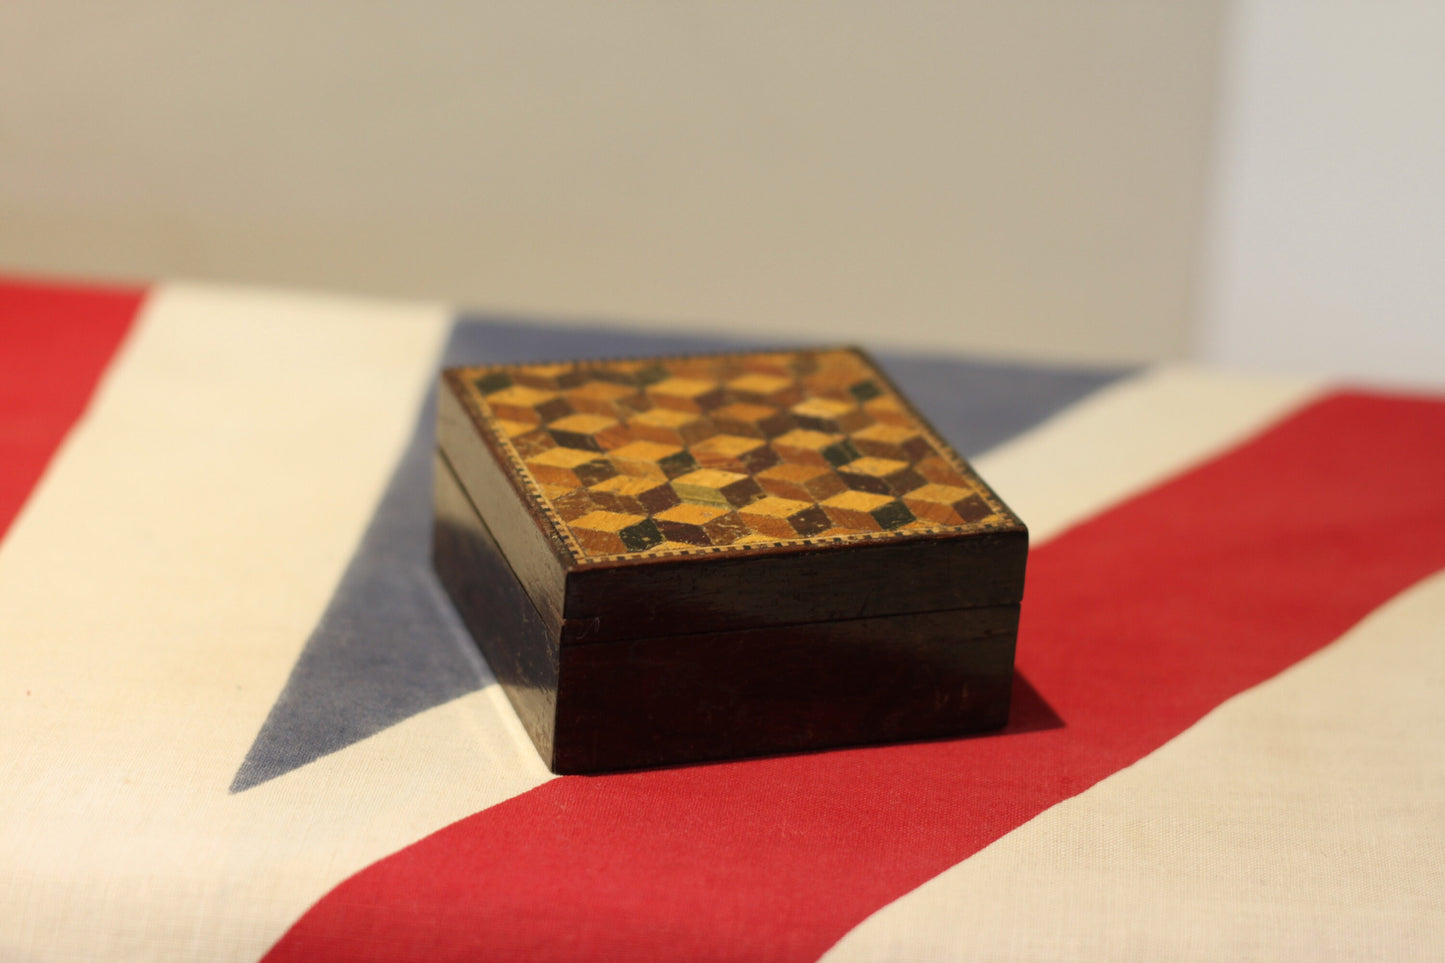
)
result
[(1256, 183), (1023, 177), (1327, 247)]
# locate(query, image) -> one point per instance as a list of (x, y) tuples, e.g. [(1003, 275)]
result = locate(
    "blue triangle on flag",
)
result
[(390, 646)]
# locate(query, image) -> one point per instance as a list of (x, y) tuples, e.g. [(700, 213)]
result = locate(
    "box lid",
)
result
[(669, 495)]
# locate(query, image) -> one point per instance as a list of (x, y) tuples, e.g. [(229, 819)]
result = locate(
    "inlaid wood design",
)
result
[(718, 453)]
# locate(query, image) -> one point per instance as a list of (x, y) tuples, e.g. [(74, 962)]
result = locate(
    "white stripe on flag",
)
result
[(1301, 820), (1131, 436), (153, 600)]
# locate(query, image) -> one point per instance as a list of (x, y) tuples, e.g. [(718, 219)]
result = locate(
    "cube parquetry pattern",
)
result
[(718, 453)]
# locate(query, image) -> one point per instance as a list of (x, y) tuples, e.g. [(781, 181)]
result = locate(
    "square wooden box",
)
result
[(668, 560)]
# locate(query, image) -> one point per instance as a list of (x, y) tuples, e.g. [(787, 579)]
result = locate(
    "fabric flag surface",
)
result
[(239, 720)]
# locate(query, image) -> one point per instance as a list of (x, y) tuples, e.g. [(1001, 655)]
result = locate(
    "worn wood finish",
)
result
[(797, 585), (676, 559), (715, 695), (817, 685), (518, 644)]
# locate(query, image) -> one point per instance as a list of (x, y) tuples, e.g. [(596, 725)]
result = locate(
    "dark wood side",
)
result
[(720, 694), (526, 538), (770, 586), (723, 695), (519, 646)]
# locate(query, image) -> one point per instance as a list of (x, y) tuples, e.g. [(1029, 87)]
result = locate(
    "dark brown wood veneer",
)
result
[(680, 559)]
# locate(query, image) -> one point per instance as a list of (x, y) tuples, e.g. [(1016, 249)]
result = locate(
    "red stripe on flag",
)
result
[(1136, 624), (55, 342)]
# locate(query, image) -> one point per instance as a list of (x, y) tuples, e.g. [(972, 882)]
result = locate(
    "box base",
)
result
[(695, 696)]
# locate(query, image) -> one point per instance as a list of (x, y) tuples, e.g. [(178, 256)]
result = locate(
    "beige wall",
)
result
[(1019, 177), (1327, 250)]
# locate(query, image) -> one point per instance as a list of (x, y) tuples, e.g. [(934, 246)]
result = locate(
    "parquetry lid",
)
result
[(729, 489)]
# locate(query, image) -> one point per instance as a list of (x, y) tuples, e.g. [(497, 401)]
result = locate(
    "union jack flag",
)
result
[(239, 719)]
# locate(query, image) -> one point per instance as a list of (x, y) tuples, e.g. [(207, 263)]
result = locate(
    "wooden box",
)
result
[(668, 560)]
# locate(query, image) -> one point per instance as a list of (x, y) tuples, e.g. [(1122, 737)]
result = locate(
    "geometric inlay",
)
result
[(716, 453)]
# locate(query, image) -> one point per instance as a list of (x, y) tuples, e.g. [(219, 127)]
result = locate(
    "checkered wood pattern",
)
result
[(715, 453)]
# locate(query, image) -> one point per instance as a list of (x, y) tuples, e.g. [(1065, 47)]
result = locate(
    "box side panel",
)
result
[(667, 597), (519, 646), (524, 538), (722, 695)]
